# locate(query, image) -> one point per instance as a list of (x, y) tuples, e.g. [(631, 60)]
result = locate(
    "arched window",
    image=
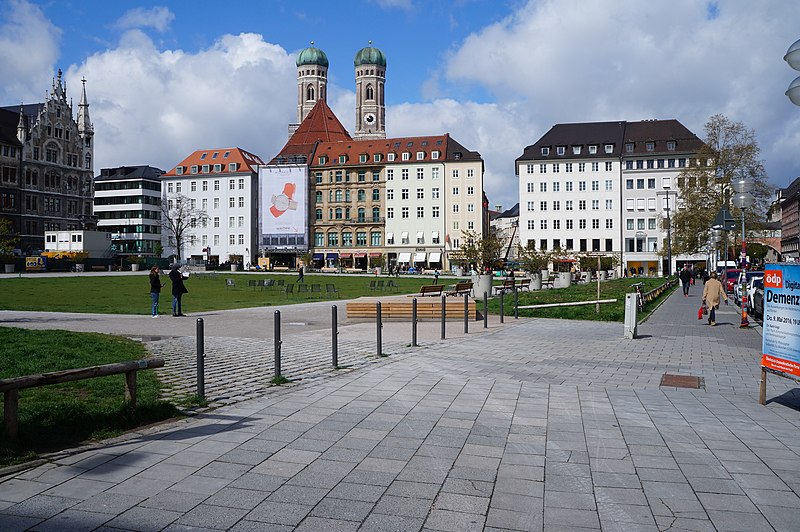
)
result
[(370, 92), (88, 161), (310, 93), (376, 214), (361, 214), (319, 196)]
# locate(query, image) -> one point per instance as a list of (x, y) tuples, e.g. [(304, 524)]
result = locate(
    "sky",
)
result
[(167, 78)]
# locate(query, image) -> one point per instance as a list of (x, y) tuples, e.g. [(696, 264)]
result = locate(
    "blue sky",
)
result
[(164, 79)]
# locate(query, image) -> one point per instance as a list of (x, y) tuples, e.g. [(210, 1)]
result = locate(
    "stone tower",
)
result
[(370, 71)]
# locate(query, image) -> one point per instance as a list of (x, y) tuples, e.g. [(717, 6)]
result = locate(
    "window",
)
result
[(435, 211), (390, 213), (609, 166), (420, 173), (241, 201), (362, 196), (375, 239), (595, 223), (205, 203), (593, 149), (595, 205), (543, 244), (545, 152), (333, 239), (470, 207), (406, 156), (376, 175), (628, 165), (390, 157), (556, 205), (543, 224), (362, 158), (568, 167), (435, 172), (376, 214), (530, 187), (595, 167), (629, 204), (455, 207), (651, 204), (530, 168), (470, 191), (319, 239), (178, 188), (389, 174), (651, 223), (582, 224), (435, 155), (640, 224), (568, 205), (666, 182), (609, 223), (581, 186), (232, 202), (660, 163), (390, 239), (420, 193), (420, 237), (404, 194), (609, 148), (639, 204), (556, 167), (169, 188), (560, 150), (609, 205), (404, 237), (404, 212), (595, 186), (376, 194), (216, 184), (629, 224), (318, 214), (404, 174), (629, 147), (231, 184), (232, 240), (651, 182), (640, 184), (542, 205), (542, 168), (435, 193), (581, 167), (531, 224), (556, 186), (556, 224), (650, 164), (582, 205), (568, 225), (455, 173), (362, 176), (649, 146), (420, 155), (232, 221), (568, 186), (241, 184), (420, 212), (455, 191), (347, 238), (639, 164), (542, 187), (576, 150), (216, 221), (609, 184)]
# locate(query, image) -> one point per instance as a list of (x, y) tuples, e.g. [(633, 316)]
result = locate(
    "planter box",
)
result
[(9, 268)]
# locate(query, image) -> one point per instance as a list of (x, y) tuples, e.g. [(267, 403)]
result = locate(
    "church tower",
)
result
[(370, 70), (85, 129), (312, 82)]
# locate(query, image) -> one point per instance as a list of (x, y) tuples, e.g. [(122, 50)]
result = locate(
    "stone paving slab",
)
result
[(529, 425)]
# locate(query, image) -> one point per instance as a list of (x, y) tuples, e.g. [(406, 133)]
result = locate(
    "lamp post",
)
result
[(742, 200), (792, 57), (667, 192)]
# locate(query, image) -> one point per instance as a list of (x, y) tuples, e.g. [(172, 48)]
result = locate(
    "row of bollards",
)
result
[(335, 332)]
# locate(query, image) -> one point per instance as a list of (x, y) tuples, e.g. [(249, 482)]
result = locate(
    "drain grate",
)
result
[(681, 381)]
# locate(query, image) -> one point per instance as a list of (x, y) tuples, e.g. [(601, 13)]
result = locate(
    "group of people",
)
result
[(713, 291), (178, 289)]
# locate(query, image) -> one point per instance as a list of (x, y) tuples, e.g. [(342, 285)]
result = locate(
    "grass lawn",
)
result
[(63, 415), (131, 294), (615, 289)]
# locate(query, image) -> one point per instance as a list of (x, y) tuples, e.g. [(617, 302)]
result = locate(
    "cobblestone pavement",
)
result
[(530, 425)]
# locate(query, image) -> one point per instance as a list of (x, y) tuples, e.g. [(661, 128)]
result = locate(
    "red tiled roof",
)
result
[(320, 125), (245, 161), (352, 150)]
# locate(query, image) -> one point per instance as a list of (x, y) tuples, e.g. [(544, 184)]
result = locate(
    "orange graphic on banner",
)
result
[(773, 279), (780, 364)]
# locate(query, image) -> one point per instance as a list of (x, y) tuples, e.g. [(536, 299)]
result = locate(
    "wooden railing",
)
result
[(11, 387)]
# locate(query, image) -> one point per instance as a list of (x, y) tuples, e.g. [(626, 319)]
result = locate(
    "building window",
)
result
[(347, 239), (595, 223), (595, 167), (609, 205), (543, 224), (319, 239), (568, 167), (374, 239), (555, 168), (629, 147), (455, 191), (241, 201), (629, 224), (581, 186), (406, 156), (609, 148), (609, 223), (595, 186), (568, 186), (390, 213), (545, 152), (420, 193), (232, 202), (542, 205), (556, 205), (435, 211), (333, 239), (609, 166), (649, 146), (595, 205), (568, 205), (389, 193), (560, 150), (435, 193), (404, 194), (404, 212), (582, 224), (241, 184), (542, 187)]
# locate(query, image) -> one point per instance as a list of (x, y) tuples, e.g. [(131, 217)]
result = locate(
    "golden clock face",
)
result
[(369, 119)]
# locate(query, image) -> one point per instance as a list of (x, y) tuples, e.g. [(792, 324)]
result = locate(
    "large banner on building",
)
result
[(282, 206), (781, 336)]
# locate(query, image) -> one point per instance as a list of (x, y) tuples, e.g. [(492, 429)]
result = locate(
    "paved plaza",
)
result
[(532, 424)]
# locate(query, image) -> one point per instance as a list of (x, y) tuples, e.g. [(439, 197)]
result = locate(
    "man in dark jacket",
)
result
[(686, 278), (178, 289)]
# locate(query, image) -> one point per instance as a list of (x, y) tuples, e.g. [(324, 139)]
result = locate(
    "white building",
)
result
[(505, 224), (96, 243), (603, 187), (222, 188)]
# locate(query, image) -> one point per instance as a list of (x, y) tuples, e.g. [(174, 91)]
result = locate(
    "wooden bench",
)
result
[(401, 310), (11, 387), (460, 289), (507, 286), (431, 290), (523, 284)]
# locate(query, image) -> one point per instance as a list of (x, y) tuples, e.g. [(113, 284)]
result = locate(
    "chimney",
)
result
[(498, 208)]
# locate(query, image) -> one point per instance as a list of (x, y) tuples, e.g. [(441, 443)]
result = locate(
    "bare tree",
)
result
[(730, 152), (179, 217)]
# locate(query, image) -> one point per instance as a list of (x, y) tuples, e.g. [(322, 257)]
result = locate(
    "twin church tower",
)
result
[(370, 71)]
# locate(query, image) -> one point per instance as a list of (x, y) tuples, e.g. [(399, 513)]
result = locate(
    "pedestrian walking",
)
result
[(686, 278), (300, 276), (155, 288), (436, 276), (712, 292), (178, 289)]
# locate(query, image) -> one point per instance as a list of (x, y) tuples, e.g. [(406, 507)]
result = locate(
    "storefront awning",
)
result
[(345, 255), (404, 257), (318, 256), (331, 256), (374, 255), (359, 255), (419, 257), (435, 257)]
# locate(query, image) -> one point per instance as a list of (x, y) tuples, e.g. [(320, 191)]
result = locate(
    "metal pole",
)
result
[(466, 313), (485, 310), (379, 325), (414, 322), (669, 240), (334, 336), (444, 315), (743, 288), (278, 343), (201, 355), (597, 305), (502, 307), (516, 303)]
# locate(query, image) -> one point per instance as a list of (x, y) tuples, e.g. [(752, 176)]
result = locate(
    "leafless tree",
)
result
[(179, 217)]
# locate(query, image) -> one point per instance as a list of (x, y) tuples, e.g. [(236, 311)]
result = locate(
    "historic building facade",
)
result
[(46, 163), (605, 187)]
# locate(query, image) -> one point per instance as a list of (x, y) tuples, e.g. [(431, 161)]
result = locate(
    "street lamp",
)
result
[(792, 57), (667, 192), (743, 200)]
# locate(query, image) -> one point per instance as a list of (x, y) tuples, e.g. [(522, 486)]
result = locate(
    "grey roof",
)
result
[(8, 127), (513, 212), (130, 172)]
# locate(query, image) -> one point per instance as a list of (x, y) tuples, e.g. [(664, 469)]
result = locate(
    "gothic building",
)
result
[(46, 166)]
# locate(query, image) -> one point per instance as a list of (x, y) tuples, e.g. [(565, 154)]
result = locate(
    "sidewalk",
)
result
[(531, 425)]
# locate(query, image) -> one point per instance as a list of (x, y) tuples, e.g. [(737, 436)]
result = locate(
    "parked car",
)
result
[(737, 288), (755, 305), (729, 279)]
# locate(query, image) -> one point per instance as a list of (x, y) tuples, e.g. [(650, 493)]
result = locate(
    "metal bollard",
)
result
[(201, 355), (485, 310), (516, 303), (414, 322), (379, 324), (466, 313), (444, 315), (278, 343), (334, 337), (502, 307)]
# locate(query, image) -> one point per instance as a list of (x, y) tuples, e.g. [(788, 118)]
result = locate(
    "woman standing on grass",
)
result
[(155, 288), (178, 289)]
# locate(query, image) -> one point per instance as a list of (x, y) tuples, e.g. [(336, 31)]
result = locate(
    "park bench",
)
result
[(508, 286), (427, 310), (11, 387), (330, 289), (460, 289), (431, 290), (523, 284)]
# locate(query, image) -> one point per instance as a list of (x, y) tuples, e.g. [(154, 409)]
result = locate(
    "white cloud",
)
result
[(152, 106), (28, 52), (157, 17)]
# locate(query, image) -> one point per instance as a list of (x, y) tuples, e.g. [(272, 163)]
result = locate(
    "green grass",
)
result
[(63, 415), (131, 294), (615, 289)]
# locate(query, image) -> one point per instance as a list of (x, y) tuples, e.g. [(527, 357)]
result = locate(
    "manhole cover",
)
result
[(681, 381)]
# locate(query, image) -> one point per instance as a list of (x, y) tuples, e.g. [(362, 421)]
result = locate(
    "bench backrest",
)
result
[(464, 286), (430, 289)]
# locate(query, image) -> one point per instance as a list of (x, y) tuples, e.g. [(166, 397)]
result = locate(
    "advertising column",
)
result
[(781, 338)]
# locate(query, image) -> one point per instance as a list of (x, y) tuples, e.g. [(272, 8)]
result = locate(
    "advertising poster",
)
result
[(781, 338), (282, 203)]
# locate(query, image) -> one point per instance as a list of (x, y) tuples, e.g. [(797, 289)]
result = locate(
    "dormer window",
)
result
[(560, 150), (435, 155), (390, 157), (406, 156), (629, 147), (363, 158), (593, 149), (650, 146), (205, 168), (214, 155), (203, 156), (545, 152), (342, 159), (225, 155), (576, 150), (376, 157), (322, 159), (179, 170), (217, 167), (420, 155), (193, 169), (232, 167), (609, 148), (670, 145)]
